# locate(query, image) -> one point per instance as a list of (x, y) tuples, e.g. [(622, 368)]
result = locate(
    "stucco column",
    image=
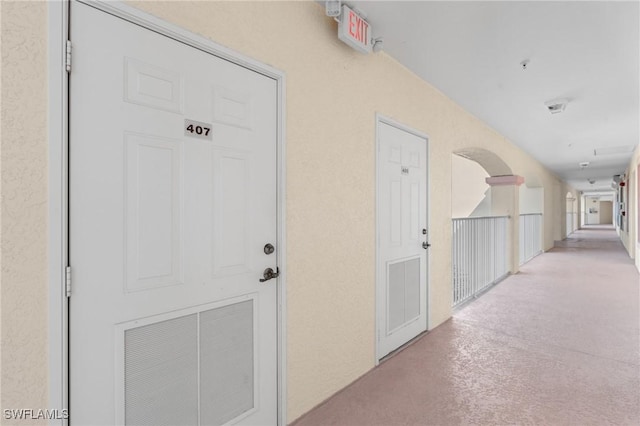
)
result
[(505, 201)]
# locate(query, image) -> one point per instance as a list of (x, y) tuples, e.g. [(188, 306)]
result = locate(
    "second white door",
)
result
[(402, 236)]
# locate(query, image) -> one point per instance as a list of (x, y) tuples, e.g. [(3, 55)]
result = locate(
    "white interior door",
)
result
[(402, 237), (172, 201)]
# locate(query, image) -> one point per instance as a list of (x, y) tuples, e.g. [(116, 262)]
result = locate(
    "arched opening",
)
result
[(531, 194), (471, 195), (491, 162), (531, 199), (485, 214)]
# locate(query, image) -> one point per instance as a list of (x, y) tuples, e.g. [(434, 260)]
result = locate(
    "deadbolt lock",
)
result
[(269, 248)]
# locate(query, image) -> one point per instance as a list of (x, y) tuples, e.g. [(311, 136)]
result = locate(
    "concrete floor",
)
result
[(556, 344)]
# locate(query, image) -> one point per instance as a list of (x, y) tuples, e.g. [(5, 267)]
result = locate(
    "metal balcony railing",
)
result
[(530, 236), (480, 255), (572, 222)]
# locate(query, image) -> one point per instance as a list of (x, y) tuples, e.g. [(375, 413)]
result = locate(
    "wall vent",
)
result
[(556, 106)]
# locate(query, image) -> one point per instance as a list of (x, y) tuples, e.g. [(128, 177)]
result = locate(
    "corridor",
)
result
[(556, 344)]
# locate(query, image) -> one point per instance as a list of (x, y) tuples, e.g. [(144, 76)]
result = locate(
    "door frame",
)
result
[(58, 133), (382, 119)]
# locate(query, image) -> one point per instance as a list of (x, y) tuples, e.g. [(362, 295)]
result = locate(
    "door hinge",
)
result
[(67, 58), (67, 281)]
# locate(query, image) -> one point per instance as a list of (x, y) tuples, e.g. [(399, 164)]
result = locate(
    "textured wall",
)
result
[(631, 239), (606, 212), (333, 94), (23, 155)]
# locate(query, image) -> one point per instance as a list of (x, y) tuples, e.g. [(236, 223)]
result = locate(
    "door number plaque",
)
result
[(197, 129)]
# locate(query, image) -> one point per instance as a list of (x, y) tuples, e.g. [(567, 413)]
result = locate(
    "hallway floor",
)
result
[(556, 344)]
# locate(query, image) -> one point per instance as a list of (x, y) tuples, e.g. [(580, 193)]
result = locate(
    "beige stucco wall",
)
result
[(332, 95), (23, 250), (606, 212)]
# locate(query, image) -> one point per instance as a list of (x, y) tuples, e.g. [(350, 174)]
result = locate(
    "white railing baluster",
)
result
[(479, 255), (570, 226), (530, 236)]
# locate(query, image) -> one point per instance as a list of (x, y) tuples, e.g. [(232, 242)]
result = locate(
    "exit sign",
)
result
[(354, 30)]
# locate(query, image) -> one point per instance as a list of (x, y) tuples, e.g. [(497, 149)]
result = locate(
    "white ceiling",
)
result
[(587, 52)]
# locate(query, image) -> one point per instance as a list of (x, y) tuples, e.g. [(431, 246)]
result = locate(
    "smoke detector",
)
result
[(556, 106)]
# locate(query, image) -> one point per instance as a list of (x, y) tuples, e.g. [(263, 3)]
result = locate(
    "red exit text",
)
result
[(358, 28)]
